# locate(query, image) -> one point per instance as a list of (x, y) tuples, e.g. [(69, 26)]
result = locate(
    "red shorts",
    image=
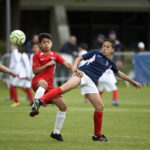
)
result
[(35, 82)]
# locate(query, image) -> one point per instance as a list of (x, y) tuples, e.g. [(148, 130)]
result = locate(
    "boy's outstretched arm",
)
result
[(7, 70), (76, 62), (70, 66), (125, 77)]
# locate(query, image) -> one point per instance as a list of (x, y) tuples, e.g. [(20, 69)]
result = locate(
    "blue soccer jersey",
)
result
[(97, 64)]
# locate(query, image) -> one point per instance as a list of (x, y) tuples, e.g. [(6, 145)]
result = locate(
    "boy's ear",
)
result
[(113, 49)]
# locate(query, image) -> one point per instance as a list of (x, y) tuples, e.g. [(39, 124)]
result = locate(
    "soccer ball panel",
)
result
[(17, 37)]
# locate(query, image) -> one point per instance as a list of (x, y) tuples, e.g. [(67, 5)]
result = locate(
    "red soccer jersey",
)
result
[(40, 59)]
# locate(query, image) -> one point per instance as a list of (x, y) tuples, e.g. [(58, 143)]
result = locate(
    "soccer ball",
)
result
[(17, 37)]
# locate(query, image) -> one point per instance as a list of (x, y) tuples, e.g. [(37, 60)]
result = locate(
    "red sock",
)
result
[(30, 95), (24, 90), (50, 95), (100, 93), (85, 97), (98, 117), (115, 94), (14, 94), (11, 92)]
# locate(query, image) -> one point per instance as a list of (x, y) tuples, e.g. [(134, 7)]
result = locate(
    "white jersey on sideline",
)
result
[(80, 54), (31, 62), (14, 59), (24, 66), (23, 69)]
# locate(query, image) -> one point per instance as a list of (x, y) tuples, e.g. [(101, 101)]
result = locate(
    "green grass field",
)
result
[(127, 127)]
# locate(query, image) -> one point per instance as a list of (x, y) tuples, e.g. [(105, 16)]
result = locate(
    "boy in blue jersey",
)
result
[(87, 76)]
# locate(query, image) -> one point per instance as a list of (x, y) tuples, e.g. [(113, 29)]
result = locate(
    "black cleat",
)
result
[(35, 107), (99, 138), (58, 137)]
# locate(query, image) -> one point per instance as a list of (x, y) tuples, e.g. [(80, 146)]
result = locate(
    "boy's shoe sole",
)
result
[(35, 108)]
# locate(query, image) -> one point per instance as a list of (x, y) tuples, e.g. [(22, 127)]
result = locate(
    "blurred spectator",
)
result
[(14, 60), (70, 47), (24, 76), (35, 39), (35, 48), (141, 47), (99, 42), (118, 48), (118, 45), (82, 50)]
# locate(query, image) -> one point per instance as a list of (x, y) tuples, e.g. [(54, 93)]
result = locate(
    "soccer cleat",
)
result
[(8, 99), (58, 137), (15, 105), (101, 138), (35, 107), (115, 103)]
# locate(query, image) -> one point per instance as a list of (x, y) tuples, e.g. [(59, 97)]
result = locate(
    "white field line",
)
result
[(39, 133), (81, 141)]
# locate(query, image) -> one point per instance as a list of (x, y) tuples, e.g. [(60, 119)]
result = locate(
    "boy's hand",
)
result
[(79, 73), (52, 62), (74, 69), (137, 84), (13, 74)]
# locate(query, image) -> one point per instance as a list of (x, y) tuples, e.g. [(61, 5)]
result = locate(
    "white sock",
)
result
[(39, 92), (59, 122)]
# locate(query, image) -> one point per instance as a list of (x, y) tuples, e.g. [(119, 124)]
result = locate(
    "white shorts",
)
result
[(87, 85), (21, 82)]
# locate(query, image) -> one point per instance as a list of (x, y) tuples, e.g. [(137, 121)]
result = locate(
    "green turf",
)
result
[(127, 127)]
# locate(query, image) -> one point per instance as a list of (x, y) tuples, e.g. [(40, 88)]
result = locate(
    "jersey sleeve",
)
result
[(89, 54), (35, 61), (114, 68), (59, 59)]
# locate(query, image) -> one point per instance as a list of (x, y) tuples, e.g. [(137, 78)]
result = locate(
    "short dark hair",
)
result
[(45, 35), (111, 41), (35, 43), (83, 46)]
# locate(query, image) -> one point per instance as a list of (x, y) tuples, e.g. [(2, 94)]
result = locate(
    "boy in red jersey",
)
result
[(43, 68)]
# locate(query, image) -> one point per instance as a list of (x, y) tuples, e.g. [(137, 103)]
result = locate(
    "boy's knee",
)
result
[(63, 107), (43, 84), (100, 108)]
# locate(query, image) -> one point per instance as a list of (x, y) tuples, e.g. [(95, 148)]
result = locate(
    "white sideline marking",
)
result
[(33, 132), (81, 141)]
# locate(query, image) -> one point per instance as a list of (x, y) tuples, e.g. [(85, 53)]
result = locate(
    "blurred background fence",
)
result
[(135, 65)]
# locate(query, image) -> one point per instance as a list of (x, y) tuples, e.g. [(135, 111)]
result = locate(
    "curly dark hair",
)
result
[(45, 35)]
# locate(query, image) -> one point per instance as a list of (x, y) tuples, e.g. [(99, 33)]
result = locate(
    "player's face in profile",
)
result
[(107, 49), (46, 44)]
